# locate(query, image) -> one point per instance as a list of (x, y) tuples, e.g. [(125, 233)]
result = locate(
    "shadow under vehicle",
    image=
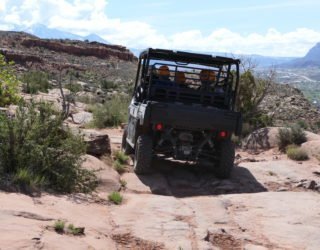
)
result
[(183, 107)]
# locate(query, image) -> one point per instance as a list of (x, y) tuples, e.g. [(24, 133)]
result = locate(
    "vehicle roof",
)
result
[(182, 56)]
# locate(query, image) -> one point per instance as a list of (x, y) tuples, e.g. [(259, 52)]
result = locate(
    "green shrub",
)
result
[(25, 178), (75, 230), (36, 150), (121, 157), (296, 153), (73, 87), (8, 84), (119, 167), (292, 135), (115, 197), (59, 226), (302, 124), (35, 81), (105, 84), (298, 135), (112, 113), (284, 138), (123, 183)]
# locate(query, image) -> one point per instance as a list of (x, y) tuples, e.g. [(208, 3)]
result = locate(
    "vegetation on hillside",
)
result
[(296, 153), (112, 113), (35, 81), (252, 90), (37, 152), (8, 83), (293, 135)]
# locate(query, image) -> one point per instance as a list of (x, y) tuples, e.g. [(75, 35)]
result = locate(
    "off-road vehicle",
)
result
[(183, 108)]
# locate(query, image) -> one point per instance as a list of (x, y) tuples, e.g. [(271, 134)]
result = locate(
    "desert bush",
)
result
[(25, 178), (298, 135), (290, 135), (8, 83), (105, 84), (296, 153), (75, 230), (119, 167), (35, 150), (35, 81), (73, 87), (115, 197), (252, 90), (59, 226), (121, 157), (123, 183), (302, 124), (284, 138), (112, 113)]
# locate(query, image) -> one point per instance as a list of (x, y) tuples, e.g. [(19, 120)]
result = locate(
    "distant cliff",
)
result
[(24, 48), (90, 61), (311, 59)]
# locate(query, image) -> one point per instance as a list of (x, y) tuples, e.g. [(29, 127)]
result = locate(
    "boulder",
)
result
[(98, 143), (312, 148), (264, 138), (312, 136), (108, 178), (82, 118)]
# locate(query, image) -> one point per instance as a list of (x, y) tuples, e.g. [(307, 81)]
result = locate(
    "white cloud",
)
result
[(88, 16), (3, 5)]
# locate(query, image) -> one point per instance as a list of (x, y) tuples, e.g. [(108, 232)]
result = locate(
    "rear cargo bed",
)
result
[(195, 117)]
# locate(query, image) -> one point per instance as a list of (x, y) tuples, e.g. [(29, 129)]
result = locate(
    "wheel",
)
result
[(225, 164), (126, 148), (143, 154)]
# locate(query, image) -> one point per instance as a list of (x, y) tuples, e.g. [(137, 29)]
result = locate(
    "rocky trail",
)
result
[(270, 202)]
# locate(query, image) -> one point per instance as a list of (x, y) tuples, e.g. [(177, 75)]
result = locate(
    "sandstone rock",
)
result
[(98, 143), (264, 138), (312, 148), (82, 49), (57, 93), (108, 178), (155, 184), (312, 136), (82, 117)]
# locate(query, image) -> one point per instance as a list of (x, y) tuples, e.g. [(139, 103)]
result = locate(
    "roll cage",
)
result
[(221, 92)]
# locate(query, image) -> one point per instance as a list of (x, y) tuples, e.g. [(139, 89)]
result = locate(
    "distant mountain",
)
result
[(95, 38), (261, 61), (44, 32), (268, 61), (311, 59)]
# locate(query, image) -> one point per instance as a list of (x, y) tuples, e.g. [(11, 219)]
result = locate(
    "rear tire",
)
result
[(126, 148), (143, 154), (225, 164)]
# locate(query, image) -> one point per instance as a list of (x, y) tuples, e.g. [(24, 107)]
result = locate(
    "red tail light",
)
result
[(159, 126), (223, 134)]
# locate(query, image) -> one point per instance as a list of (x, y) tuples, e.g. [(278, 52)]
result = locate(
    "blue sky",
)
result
[(277, 28)]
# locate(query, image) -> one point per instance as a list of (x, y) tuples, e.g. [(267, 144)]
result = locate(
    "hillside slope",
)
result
[(91, 60)]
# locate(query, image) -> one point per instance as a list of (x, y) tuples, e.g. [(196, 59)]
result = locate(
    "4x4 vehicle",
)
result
[(183, 108)]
